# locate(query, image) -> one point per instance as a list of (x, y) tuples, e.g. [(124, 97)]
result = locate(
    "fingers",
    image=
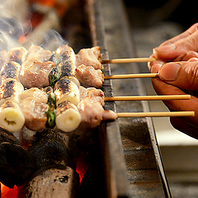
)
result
[(163, 88), (188, 55), (170, 50), (183, 74)]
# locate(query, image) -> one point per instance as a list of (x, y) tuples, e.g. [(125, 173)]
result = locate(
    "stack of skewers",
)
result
[(60, 90)]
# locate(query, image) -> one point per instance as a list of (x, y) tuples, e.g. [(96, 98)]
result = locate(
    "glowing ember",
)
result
[(81, 168), (8, 192)]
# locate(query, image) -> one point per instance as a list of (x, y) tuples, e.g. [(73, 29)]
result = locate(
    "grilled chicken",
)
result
[(37, 94), (35, 70), (34, 113), (91, 113), (35, 73), (89, 77), (17, 54), (39, 53), (10, 70), (93, 94), (91, 108), (66, 90), (67, 117), (89, 57), (34, 108)]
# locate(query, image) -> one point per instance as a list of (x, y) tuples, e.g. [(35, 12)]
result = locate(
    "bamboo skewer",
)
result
[(127, 60), (158, 97), (132, 98), (126, 76), (157, 114)]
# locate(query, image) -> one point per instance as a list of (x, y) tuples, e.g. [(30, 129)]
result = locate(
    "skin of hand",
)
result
[(177, 67)]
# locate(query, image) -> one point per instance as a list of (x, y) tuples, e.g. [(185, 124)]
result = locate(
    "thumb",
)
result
[(171, 51), (181, 74)]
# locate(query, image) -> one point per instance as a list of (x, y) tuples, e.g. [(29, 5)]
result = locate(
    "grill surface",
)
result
[(142, 162), (130, 154)]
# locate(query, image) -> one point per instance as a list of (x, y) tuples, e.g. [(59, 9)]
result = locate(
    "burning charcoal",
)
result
[(15, 162), (53, 176), (49, 149), (52, 183)]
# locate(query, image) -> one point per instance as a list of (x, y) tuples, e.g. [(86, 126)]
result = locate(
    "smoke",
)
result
[(16, 29), (53, 40)]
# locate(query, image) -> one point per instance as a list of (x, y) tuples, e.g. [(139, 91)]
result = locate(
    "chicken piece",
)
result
[(10, 70), (83, 92), (17, 54), (35, 73), (91, 113), (91, 108), (93, 94), (34, 108), (34, 113), (4, 58), (37, 52), (89, 77), (109, 115), (89, 57), (38, 95)]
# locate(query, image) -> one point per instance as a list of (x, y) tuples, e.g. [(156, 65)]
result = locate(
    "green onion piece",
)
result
[(50, 119), (54, 76)]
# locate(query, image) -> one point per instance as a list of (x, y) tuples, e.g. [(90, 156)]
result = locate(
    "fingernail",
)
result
[(169, 71), (156, 68), (164, 49)]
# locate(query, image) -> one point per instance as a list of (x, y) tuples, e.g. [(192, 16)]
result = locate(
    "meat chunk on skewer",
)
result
[(35, 73), (38, 52), (34, 108), (92, 93), (91, 108), (89, 77), (92, 113), (89, 57), (17, 54), (36, 68)]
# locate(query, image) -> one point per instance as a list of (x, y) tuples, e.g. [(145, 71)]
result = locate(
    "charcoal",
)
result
[(49, 149), (16, 164)]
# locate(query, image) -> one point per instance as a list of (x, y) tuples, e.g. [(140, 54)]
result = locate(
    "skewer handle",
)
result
[(158, 97), (127, 60), (157, 114), (126, 76)]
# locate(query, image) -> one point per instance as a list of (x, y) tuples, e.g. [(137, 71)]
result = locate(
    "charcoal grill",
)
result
[(126, 160)]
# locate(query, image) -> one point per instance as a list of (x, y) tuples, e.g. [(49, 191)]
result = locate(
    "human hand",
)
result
[(180, 76)]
